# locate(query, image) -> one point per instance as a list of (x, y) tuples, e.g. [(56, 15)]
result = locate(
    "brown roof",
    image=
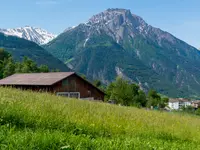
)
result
[(196, 102), (178, 100), (35, 78)]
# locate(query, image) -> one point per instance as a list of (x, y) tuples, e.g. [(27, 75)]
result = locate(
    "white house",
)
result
[(178, 103)]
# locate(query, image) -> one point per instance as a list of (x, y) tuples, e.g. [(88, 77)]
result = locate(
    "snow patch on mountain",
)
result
[(37, 35), (70, 28), (86, 42)]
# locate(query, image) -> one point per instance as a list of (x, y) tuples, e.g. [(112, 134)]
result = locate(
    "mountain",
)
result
[(117, 42), (19, 48), (37, 35)]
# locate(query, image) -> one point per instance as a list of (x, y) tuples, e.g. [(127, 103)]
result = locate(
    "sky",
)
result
[(179, 17)]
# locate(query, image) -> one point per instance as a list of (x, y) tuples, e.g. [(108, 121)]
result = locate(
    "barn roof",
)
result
[(35, 78)]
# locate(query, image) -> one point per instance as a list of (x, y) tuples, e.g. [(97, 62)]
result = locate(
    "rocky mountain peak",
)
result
[(118, 23), (111, 14)]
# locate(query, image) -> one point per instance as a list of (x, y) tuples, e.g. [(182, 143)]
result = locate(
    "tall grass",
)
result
[(42, 121)]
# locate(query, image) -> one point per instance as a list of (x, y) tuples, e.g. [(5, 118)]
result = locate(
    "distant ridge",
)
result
[(37, 35), (19, 48)]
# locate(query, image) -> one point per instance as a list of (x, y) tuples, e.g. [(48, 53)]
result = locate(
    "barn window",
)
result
[(65, 94), (74, 94), (64, 82), (69, 94)]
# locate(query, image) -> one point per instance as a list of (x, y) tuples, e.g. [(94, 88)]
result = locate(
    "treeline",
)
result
[(129, 94), (8, 66)]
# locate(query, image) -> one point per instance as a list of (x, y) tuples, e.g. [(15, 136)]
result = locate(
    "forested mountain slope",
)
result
[(117, 42), (19, 48)]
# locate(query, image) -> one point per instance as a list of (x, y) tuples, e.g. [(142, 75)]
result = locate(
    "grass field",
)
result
[(41, 121)]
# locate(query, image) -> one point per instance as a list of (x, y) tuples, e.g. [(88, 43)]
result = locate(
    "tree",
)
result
[(1, 70), (18, 67), (9, 67), (109, 90), (43, 68), (97, 83), (164, 102), (4, 55), (29, 66), (121, 92), (125, 93), (55, 70), (155, 100), (141, 99), (197, 112)]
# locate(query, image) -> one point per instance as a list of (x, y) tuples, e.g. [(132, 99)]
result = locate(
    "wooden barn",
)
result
[(67, 84)]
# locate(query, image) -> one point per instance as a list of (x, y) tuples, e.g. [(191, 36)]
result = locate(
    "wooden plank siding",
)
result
[(75, 83)]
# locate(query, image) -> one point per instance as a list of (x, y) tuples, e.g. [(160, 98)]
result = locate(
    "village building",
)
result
[(67, 84), (178, 103), (195, 104)]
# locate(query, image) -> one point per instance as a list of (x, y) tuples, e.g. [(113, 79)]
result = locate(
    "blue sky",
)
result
[(179, 17)]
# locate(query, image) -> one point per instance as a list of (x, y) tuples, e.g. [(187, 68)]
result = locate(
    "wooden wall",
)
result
[(75, 83)]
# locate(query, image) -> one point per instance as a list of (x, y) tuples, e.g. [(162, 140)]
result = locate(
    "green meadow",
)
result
[(40, 121)]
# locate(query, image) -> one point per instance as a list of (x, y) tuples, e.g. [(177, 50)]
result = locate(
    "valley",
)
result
[(99, 75)]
